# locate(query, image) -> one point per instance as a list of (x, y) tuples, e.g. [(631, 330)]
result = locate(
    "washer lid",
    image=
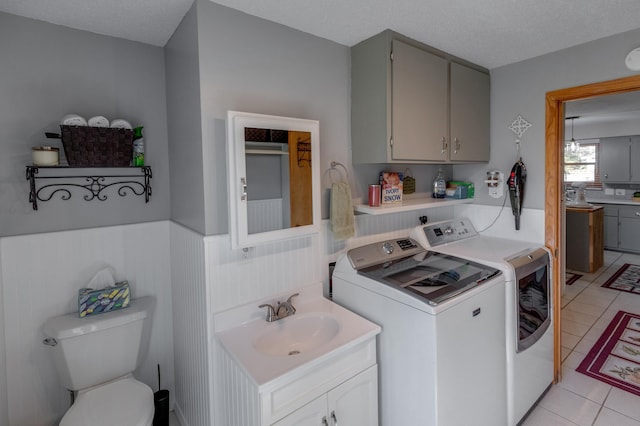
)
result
[(431, 276), (125, 402)]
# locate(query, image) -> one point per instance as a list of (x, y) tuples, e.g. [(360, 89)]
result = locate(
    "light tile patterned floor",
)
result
[(587, 309)]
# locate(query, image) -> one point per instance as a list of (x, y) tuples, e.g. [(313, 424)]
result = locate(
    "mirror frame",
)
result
[(236, 167)]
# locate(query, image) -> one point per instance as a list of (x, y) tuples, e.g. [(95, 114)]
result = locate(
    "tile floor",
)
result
[(587, 309)]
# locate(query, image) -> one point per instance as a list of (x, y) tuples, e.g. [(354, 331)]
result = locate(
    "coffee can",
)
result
[(374, 195)]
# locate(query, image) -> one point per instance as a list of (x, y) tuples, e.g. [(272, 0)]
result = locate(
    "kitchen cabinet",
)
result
[(585, 239), (634, 159), (354, 403), (415, 104), (611, 227), (616, 160), (629, 220)]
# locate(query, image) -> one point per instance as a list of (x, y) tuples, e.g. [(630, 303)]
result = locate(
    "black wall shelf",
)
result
[(95, 186)]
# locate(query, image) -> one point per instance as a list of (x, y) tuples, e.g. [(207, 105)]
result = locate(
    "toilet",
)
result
[(95, 357)]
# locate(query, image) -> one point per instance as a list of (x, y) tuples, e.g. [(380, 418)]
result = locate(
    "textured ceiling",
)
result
[(490, 33)]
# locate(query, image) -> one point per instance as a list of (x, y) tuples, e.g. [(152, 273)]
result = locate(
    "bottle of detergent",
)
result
[(138, 147), (439, 185)]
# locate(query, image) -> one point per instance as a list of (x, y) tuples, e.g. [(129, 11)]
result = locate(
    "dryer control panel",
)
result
[(449, 231)]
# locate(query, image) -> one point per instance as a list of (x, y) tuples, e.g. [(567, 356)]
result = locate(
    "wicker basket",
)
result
[(97, 146)]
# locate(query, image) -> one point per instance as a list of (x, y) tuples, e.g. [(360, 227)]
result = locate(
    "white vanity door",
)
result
[(311, 414), (352, 403), (355, 402)]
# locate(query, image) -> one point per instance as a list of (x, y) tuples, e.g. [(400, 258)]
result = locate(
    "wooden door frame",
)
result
[(554, 136)]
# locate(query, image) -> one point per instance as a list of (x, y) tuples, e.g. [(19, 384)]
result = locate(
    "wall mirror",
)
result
[(274, 178)]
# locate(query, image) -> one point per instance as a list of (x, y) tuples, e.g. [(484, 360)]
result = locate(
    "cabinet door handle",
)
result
[(637, 213), (243, 188), (444, 145), (456, 141), (324, 421), (334, 419)]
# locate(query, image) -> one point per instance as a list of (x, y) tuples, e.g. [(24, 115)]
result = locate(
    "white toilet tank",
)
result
[(95, 349)]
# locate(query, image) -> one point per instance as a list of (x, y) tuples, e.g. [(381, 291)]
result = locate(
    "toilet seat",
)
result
[(124, 402)]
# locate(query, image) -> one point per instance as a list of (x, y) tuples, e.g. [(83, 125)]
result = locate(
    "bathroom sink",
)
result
[(317, 332), (297, 334)]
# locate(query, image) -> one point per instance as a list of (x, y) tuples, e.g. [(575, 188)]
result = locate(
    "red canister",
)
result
[(374, 195)]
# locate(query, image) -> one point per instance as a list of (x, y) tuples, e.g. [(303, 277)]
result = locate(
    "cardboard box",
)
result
[(391, 187)]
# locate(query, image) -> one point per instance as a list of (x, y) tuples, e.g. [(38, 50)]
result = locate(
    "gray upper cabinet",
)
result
[(418, 105), (634, 159), (413, 104), (619, 159), (614, 159), (469, 114)]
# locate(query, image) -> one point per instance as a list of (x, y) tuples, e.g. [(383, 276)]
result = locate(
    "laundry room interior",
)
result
[(304, 195)]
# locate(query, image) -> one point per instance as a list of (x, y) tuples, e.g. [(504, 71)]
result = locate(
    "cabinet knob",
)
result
[(637, 213), (334, 419), (324, 421)]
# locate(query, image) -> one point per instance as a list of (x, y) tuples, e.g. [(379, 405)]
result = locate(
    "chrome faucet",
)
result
[(282, 309)]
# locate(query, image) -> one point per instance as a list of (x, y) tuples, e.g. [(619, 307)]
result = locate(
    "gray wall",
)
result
[(185, 125), (253, 65), (48, 71), (4, 410), (521, 88)]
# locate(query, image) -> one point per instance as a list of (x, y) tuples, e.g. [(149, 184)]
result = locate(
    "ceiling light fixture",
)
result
[(632, 60), (573, 145)]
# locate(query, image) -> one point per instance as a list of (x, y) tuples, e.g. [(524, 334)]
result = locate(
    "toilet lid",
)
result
[(125, 402)]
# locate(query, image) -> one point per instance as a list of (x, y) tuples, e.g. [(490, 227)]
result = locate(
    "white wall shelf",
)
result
[(410, 204)]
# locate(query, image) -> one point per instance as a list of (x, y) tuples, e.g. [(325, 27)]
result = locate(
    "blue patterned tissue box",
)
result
[(93, 302)]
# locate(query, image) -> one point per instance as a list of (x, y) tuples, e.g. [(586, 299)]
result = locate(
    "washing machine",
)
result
[(441, 352), (526, 270)]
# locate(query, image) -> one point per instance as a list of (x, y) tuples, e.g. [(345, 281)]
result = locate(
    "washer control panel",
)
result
[(383, 251), (435, 234)]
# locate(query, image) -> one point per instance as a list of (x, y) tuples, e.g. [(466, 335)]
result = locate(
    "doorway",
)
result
[(554, 150)]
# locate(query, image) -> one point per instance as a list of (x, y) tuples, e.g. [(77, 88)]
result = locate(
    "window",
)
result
[(581, 164)]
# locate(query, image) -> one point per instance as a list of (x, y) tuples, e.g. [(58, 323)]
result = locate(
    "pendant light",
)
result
[(573, 145)]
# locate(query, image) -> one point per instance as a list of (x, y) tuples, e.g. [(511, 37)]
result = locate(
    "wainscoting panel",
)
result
[(41, 275), (191, 330), (264, 215)]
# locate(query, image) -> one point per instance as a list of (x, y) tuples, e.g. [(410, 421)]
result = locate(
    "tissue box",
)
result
[(93, 302)]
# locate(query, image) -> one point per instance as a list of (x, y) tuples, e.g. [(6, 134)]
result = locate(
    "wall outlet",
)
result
[(619, 191), (608, 191)]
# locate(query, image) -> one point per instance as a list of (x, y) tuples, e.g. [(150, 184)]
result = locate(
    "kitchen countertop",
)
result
[(583, 209), (613, 201)]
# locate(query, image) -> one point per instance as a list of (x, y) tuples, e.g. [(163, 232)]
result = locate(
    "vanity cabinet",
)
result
[(415, 104), (344, 384), (353, 402)]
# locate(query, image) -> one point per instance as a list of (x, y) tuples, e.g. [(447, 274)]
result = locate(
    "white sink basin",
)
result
[(267, 351), (297, 334)]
